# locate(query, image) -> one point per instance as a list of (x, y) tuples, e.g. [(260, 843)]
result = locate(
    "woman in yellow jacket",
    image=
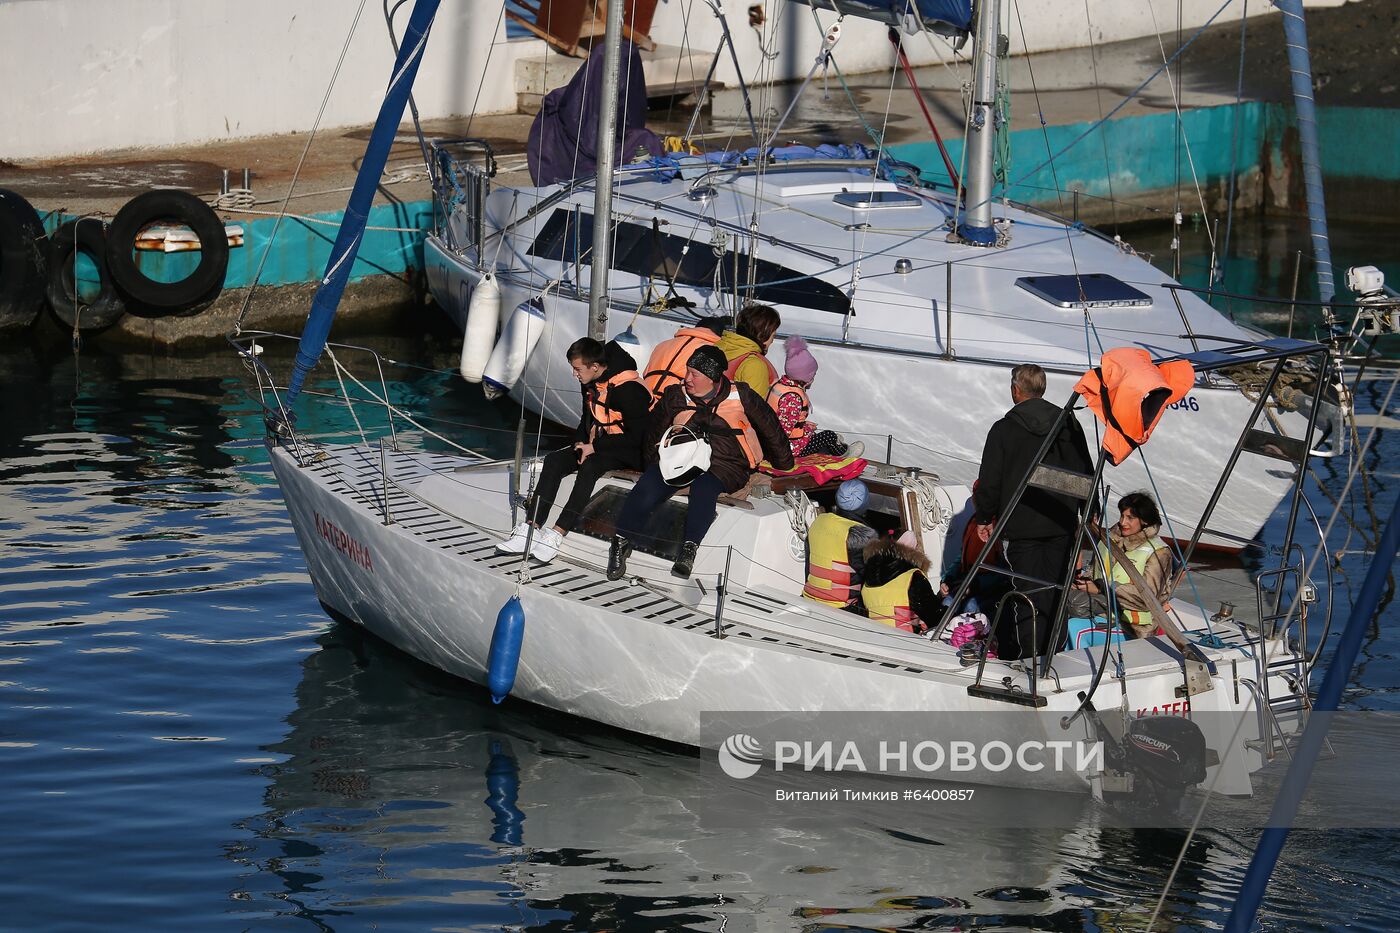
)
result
[(745, 347)]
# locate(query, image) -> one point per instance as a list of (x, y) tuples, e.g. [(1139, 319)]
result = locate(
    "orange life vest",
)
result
[(606, 418), (1129, 393), (735, 363), (731, 411), (667, 364), (775, 398)]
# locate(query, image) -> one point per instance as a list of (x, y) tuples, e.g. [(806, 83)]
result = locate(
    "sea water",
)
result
[(187, 741)]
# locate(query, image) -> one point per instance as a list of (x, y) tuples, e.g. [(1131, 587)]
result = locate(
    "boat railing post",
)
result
[(384, 482), (720, 586), (519, 465), (1292, 307), (1076, 205), (889, 448), (388, 406), (948, 311)]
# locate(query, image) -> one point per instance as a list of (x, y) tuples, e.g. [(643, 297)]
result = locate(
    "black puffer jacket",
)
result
[(886, 559), (1012, 444), (631, 400), (727, 461)]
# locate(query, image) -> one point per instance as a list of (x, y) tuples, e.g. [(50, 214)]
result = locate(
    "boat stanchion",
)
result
[(384, 482), (720, 586), (504, 655), (948, 312)]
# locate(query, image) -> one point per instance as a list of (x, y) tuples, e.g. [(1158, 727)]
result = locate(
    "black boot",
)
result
[(617, 557), (686, 562)]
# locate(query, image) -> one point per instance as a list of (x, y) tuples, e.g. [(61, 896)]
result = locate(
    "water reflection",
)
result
[(393, 777)]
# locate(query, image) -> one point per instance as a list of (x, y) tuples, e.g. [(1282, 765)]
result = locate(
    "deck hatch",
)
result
[(1091, 290)]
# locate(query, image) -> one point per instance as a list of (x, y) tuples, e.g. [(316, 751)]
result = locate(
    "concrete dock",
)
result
[(1130, 171)]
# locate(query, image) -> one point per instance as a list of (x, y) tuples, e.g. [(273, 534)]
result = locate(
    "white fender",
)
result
[(518, 338), (483, 317), (639, 351)]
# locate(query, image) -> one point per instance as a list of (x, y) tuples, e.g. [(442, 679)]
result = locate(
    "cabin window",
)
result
[(652, 254)]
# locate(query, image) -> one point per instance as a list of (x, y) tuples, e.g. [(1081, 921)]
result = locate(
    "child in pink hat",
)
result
[(788, 397)]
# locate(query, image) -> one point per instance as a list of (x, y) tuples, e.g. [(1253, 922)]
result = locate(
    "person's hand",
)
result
[(984, 532), (943, 589), (584, 451), (1086, 585)]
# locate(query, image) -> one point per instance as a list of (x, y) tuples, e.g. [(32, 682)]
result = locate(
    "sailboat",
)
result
[(915, 299), (404, 542)]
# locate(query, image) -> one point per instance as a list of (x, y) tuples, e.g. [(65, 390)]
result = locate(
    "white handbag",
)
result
[(684, 455)]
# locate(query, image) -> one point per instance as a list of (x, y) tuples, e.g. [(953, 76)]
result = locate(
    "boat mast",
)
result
[(1295, 30), (976, 227), (606, 149)]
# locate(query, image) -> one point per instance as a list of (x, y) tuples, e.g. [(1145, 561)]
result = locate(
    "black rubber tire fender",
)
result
[(23, 262), (87, 235), (145, 296)]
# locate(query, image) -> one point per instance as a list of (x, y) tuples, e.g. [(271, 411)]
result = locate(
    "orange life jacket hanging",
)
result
[(1129, 393)]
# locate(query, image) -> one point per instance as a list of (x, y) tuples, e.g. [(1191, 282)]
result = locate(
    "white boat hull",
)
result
[(430, 584)]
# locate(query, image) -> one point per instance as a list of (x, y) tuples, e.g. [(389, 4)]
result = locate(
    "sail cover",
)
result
[(564, 136), (944, 16)]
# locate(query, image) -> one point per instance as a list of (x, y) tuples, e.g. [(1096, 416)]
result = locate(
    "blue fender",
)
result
[(505, 649)]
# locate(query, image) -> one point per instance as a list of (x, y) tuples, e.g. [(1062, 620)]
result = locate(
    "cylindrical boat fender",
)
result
[(518, 338), (640, 352), (483, 318), (23, 261), (87, 235), (504, 657), (146, 296)]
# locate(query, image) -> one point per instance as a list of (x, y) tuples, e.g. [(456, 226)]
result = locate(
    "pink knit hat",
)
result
[(801, 365)]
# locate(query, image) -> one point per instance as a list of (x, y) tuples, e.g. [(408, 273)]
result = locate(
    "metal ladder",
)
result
[(1277, 618)]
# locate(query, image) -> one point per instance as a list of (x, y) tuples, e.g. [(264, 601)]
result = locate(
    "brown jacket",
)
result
[(727, 461)]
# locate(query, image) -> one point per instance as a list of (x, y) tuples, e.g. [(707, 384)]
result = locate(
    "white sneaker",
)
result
[(546, 545), (515, 544), (855, 449)]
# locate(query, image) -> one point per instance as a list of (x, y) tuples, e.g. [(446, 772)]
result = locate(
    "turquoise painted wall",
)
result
[(1133, 155), (303, 247)]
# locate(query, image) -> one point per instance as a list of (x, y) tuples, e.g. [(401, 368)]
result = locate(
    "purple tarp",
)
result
[(564, 137)]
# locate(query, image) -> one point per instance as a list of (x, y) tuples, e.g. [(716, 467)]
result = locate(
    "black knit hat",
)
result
[(708, 360)]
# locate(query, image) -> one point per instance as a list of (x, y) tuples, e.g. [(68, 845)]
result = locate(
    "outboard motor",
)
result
[(1166, 755)]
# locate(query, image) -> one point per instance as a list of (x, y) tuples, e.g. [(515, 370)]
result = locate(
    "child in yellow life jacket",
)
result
[(788, 397)]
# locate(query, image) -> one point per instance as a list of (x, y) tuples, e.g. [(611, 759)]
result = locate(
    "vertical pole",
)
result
[(976, 227), (889, 448), (720, 588), (948, 311), (519, 465), (384, 483), (1292, 306), (606, 147), (1295, 31)]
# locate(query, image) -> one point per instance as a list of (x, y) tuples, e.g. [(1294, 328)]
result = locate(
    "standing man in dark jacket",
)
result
[(1040, 533), (742, 431), (609, 437)]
